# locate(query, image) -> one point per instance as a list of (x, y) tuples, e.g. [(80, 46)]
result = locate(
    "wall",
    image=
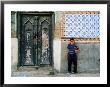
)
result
[(57, 54), (57, 42), (88, 57), (14, 42), (84, 26), (14, 54)]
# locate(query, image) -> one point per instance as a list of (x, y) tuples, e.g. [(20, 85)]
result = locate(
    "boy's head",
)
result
[(72, 41)]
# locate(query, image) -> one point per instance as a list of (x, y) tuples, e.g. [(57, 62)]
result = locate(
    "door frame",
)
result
[(49, 13)]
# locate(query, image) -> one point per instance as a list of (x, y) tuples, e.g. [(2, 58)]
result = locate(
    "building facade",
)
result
[(41, 38)]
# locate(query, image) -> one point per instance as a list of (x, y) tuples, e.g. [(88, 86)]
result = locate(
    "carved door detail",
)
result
[(35, 39)]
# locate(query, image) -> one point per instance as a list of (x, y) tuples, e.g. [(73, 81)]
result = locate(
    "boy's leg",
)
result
[(69, 63), (75, 64)]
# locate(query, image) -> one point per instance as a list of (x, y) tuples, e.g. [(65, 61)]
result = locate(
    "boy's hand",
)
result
[(76, 51)]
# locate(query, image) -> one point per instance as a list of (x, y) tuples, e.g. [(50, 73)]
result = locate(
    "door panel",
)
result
[(27, 41), (35, 42), (44, 27)]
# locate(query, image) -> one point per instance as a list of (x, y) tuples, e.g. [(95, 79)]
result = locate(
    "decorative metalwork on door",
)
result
[(35, 41), (44, 23)]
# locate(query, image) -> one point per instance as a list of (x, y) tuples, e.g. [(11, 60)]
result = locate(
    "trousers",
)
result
[(72, 59)]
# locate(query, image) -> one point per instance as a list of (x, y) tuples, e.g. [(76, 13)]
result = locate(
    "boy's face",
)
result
[(72, 42)]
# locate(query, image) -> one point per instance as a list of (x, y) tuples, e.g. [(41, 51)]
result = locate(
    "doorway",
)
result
[(35, 38)]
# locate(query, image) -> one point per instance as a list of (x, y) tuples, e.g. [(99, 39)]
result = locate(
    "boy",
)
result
[(72, 56)]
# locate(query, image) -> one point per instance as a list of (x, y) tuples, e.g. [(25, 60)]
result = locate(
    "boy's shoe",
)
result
[(74, 72), (68, 73)]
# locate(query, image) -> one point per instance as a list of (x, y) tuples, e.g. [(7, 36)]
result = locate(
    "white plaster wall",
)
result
[(57, 53), (14, 54)]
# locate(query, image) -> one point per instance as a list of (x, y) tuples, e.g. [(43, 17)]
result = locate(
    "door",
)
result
[(35, 38)]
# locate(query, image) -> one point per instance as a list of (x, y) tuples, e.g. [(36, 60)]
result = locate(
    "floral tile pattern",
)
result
[(82, 25)]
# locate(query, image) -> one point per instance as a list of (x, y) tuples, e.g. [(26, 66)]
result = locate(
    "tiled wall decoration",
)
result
[(81, 25), (82, 40)]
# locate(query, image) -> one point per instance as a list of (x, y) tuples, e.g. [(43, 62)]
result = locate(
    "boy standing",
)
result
[(72, 56)]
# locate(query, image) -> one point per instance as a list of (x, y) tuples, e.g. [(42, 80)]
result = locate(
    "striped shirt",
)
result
[(72, 48)]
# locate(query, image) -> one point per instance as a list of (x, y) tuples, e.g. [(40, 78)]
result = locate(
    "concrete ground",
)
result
[(48, 72)]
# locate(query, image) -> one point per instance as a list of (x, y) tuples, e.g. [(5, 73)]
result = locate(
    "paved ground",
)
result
[(48, 72)]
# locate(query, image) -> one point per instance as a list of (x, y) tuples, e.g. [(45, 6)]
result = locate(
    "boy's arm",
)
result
[(77, 50)]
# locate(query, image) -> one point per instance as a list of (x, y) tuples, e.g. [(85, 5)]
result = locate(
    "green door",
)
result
[(35, 38)]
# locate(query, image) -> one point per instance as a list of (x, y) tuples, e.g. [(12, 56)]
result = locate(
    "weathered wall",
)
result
[(14, 54), (57, 54), (13, 24), (14, 42), (88, 57), (57, 42)]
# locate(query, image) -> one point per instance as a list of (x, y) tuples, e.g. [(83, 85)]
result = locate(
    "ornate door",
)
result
[(35, 37)]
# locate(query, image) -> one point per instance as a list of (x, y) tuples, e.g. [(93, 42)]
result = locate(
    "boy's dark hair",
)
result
[(71, 39)]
